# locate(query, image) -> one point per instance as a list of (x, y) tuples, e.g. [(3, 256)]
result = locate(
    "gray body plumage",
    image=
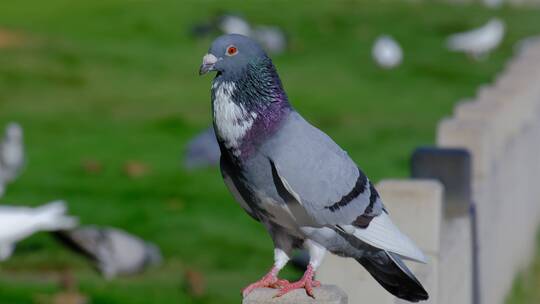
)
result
[(296, 180), (321, 177)]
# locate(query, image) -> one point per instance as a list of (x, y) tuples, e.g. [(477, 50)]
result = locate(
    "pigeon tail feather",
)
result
[(394, 276), (383, 234), (54, 207)]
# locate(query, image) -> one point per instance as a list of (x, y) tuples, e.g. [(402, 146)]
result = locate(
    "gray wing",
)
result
[(234, 189), (239, 191), (321, 176), (332, 189)]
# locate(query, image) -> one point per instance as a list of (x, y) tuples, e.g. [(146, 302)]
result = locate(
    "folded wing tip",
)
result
[(383, 233)]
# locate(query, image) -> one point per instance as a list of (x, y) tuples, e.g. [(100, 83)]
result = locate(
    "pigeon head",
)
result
[(242, 62), (248, 100), (230, 55), (152, 255), (14, 131)]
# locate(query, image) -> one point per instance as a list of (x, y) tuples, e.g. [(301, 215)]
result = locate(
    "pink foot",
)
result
[(306, 282), (269, 280)]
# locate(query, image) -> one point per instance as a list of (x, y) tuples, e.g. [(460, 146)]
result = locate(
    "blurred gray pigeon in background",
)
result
[(11, 153), (114, 251), (271, 38), (202, 150), (493, 3), (234, 24), (17, 223), (479, 42), (297, 181), (230, 23), (386, 52)]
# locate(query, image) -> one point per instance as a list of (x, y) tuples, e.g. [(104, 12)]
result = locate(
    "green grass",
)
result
[(116, 80), (525, 289)]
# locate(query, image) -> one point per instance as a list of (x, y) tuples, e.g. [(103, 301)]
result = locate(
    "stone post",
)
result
[(326, 294)]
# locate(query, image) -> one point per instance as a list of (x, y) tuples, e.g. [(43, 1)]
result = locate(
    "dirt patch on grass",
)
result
[(10, 38)]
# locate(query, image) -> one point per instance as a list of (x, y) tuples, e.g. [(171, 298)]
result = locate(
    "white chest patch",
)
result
[(231, 119)]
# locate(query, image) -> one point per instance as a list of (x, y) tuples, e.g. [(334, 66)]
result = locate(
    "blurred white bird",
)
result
[(11, 153), (271, 38), (17, 223), (478, 42), (233, 24), (386, 52), (493, 3)]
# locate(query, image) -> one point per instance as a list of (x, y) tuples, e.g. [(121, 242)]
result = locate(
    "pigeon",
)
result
[(11, 153), (271, 38), (115, 252), (17, 223), (223, 23), (202, 150), (233, 24), (386, 52), (478, 43), (295, 180), (202, 29), (493, 3)]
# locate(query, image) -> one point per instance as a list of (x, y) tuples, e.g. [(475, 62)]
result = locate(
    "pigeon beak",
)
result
[(208, 63)]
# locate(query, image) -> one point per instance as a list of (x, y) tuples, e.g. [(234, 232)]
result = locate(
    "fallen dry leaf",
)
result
[(136, 169), (9, 38), (69, 293), (195, 283), (175, 204), (70, 297), (92, 166)]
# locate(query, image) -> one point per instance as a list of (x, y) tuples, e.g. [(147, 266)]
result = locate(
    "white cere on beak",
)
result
[(209, 59)]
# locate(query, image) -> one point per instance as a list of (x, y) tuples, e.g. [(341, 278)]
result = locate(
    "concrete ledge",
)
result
[(326, 294), (353, 279), (469, 134)]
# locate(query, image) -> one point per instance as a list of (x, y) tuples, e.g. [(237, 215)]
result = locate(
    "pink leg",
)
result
[(269, 280), (305, 282)]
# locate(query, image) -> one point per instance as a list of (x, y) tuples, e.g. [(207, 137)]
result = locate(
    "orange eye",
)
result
[(232, 50)]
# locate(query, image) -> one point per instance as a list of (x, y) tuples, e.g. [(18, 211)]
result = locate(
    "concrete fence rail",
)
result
[(500, 128)]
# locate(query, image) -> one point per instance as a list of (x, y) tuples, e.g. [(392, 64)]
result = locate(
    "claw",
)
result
[(306, 282), (270, 280), (279, 284)]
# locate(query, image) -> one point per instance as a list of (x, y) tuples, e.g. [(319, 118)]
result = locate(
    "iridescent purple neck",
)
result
[(259, 91), (267, 124)]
